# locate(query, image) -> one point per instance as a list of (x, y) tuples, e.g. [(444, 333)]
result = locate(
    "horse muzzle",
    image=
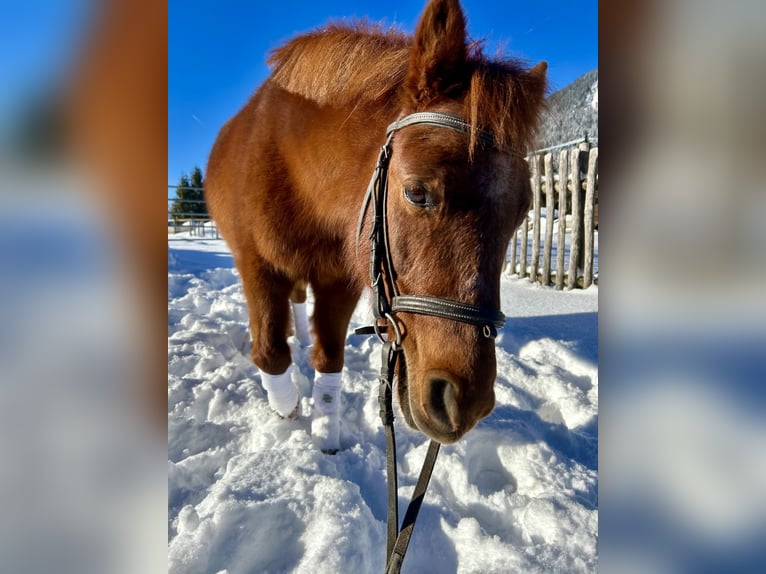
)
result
[(441, 406)]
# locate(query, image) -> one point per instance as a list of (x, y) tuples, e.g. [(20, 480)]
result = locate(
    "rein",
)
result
[(388, 303)]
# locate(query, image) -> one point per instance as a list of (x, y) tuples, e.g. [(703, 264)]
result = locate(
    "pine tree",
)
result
[(199, 208), (189, 196)]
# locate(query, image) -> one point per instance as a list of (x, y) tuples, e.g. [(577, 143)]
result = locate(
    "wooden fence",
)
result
[(562, 228)]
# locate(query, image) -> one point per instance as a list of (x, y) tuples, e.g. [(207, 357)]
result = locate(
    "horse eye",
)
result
[(416, 196)]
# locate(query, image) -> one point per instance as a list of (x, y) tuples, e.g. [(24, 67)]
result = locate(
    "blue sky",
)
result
[(217, 50)]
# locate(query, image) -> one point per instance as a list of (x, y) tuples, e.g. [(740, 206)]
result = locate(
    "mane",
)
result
[(504, 100), (343, 64)]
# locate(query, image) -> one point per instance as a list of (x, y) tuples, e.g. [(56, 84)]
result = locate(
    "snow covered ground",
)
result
[(248, 492)]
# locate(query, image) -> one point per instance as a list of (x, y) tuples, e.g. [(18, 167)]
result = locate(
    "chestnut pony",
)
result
[(286, 183)]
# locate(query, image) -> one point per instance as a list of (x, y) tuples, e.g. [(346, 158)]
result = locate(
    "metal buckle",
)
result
[(397, 344)]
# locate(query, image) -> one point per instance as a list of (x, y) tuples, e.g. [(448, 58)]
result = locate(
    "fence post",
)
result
[(561, 243), (575, 251), (535, 259), (583, 159), (549, 214), (512, 264), (524, 236), (590, 193)]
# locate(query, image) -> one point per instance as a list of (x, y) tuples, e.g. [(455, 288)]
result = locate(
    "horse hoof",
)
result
[(325, 432), (282, 393), (294, 415)]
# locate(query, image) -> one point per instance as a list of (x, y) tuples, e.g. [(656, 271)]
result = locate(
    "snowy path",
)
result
[(248, 492)]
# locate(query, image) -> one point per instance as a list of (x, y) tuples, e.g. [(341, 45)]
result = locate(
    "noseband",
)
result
[(389, 302)]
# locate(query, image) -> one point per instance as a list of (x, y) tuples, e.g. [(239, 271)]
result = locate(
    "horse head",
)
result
[(454, 200)]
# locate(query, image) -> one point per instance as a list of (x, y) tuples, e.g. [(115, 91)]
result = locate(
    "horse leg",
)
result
[(333, 307), (267, 293), (300, 317)]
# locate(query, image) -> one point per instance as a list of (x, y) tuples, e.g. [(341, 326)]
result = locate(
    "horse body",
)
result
[(279, 211), (287, 176)]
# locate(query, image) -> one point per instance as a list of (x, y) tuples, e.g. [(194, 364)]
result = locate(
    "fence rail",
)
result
[(564, 201), (194, 223)]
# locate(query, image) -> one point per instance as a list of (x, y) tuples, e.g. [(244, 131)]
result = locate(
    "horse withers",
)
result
[(287, 179)]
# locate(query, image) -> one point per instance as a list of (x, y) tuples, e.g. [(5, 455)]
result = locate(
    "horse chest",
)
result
[(304, 251)]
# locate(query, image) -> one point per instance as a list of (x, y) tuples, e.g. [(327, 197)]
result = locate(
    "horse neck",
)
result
[(338, 161)]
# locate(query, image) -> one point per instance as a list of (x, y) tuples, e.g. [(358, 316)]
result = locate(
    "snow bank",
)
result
[(248, 492)]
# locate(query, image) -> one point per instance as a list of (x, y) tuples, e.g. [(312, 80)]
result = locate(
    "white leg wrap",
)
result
[(325, 419), (283, 396), (301, 321)]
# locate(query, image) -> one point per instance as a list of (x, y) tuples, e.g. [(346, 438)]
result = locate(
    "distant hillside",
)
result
[(572, 111)]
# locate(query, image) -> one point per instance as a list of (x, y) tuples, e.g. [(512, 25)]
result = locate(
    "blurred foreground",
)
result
[(682, 427), (82, 253)]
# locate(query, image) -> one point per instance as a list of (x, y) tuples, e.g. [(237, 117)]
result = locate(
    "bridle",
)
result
[(387, 303), (387, 299)]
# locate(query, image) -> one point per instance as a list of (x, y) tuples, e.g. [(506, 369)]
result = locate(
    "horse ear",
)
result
[(536, 82), (532, 86), (438, 57)]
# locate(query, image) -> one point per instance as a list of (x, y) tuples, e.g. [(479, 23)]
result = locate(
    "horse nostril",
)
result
[(442, 403)]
